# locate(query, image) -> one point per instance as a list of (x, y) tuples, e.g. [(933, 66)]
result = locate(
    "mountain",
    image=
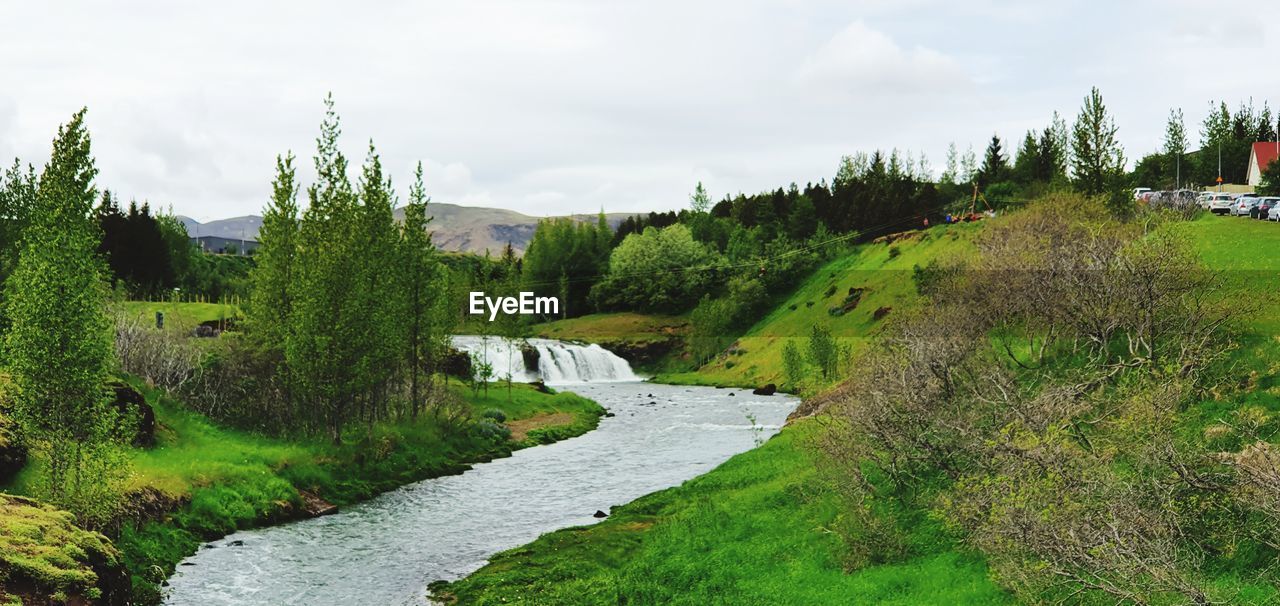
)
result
[(453, 227)]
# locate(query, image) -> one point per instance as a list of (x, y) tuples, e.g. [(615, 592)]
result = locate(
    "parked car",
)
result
[(1274, 213), (1264, 207), (1202, 199), (1243, 206), (1221, 204), (1138, 191)]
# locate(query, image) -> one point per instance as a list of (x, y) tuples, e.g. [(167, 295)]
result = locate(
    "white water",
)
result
[(559, 362)]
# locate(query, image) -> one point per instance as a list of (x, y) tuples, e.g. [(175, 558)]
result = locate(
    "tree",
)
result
[(660, 270), (793, 365), (1099, 159), (968, 166), (1026, 166), (994, 163), (326, 324), (422, 277), (271, 305), (952, 170), (59, 347), (1175, 143), (699, 201), (824, 352), (379, 317)]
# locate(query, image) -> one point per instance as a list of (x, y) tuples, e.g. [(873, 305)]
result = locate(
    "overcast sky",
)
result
[(557, 107)]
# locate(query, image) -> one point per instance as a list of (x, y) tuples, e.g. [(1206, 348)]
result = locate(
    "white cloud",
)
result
[(863, 62), (561, 106)]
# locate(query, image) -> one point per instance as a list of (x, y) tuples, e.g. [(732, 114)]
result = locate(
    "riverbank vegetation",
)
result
[(327, 383), (1034, 444)]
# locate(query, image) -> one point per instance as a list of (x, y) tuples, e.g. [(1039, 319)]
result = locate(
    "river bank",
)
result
[(202, 481), (387, 549)]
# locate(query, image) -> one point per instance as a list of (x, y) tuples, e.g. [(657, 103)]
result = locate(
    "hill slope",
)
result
[(454, 228)]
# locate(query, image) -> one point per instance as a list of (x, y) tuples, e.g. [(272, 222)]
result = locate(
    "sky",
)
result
[(550, 108)]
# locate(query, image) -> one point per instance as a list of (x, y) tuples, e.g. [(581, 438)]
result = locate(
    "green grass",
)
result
[(182, 314), (202, 481), (885, 276), (754, 530), (750, 532)]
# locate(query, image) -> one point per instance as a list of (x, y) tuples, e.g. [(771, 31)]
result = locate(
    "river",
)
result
[(386, 550)]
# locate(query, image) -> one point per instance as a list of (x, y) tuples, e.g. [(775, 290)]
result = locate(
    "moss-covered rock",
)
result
[(46, 559)]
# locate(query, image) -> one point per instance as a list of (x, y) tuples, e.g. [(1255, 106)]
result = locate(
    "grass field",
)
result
[(181, 314)]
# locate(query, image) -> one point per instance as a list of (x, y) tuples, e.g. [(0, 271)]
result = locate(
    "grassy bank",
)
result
[(758, 529), (202, 481), (751, 532), (851, 295)]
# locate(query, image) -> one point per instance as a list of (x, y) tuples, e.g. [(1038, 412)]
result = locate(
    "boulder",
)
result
[(457, 363), (133, 407), (767, 390), (599, 514), (530, 355)]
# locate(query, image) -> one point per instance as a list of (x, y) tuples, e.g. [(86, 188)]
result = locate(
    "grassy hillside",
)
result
[(881, 269), (757, 529)]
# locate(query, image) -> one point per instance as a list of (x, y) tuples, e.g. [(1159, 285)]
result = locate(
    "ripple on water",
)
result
[(386, 550)]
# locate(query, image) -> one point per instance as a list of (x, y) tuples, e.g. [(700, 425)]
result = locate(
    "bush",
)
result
[(495, 415), (490, 431)]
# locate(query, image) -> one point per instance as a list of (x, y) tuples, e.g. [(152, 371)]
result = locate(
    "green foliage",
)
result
[(424, 288), (794, 366), (995, 166), (564, 259), (270, 305), (1270, 185), (661, 270), (1097, 154), (59, 346), (824, 352)]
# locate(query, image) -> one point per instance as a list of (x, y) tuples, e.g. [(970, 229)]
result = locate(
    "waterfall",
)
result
[(558, 361)]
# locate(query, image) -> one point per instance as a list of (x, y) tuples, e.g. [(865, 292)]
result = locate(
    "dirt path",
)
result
[(520, 429)]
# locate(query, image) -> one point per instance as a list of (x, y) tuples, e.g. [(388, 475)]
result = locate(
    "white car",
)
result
[(1243, 205), (1202, 199), (1220, 204)]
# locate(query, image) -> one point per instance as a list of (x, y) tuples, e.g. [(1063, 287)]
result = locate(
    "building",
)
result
[(220, 245), (1263, 153)]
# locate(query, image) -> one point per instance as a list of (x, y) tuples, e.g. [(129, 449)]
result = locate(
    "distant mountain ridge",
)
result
[(453, 227)]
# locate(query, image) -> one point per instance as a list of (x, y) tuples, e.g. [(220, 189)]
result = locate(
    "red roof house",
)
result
[(1264, 153)]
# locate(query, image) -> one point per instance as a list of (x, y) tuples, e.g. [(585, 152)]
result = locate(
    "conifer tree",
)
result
[(379, 313), (321, 349), (270, 304), (421, 284), (1099, 159), (59, 347)]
